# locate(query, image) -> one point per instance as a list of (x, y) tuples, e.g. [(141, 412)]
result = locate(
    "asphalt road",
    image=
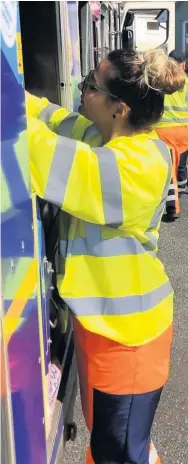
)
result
[(170, 431)]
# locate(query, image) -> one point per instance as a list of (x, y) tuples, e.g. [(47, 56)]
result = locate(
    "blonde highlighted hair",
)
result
[(160, 72)]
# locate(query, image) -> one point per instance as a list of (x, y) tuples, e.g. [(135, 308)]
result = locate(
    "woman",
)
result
[(173, 130), (113, 283)]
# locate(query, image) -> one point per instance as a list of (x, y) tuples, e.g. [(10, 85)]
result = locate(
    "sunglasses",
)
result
[(88, 83)]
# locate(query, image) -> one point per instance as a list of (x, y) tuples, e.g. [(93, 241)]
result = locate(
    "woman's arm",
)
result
[(82, 181), (59, 120)]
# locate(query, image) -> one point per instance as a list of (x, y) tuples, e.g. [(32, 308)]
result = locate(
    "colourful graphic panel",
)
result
[(19, 266)]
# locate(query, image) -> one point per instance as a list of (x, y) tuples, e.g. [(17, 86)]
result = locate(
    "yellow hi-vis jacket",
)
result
[(176, 108), (115, 194)]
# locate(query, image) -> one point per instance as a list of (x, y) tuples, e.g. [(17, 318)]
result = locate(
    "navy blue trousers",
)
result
[(122, 427), (182, 173)]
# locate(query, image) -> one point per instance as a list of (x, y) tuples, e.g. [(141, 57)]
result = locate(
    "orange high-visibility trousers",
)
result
[(120, 389), (175, 137)]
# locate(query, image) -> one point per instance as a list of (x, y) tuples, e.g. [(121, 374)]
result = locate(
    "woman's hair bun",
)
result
[(161, 73)]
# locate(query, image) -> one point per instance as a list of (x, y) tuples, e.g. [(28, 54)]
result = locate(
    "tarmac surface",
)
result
[(170, 431)]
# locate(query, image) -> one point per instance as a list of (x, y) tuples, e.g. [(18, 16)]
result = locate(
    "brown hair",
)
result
[(141, 80)]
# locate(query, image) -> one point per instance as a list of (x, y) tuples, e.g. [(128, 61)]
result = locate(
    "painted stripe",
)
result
[(176, 108), (117, 246), (111, 186), (66, 126), (22, 295), (95, 306), (160, 208), (47, 112), (60, 171)]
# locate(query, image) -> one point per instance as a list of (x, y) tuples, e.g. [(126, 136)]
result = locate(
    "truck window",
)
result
[(144, 29)]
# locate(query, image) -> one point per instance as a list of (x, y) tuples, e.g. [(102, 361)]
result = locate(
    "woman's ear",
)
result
[(122, 110)]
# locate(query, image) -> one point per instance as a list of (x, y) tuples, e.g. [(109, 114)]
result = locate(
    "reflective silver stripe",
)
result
[(182, 182), (152, 241), (159, 210), (182, 189), (60, 171), (47, 112), (178, 120), (111, 186), (172, 197), (176, 108), (94, 306), (172, 186), (65, 127), (117, 246), (94, 245), (91, 131), (63, 248)]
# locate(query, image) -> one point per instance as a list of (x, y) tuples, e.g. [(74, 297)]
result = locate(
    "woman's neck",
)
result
[(111, 133)]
